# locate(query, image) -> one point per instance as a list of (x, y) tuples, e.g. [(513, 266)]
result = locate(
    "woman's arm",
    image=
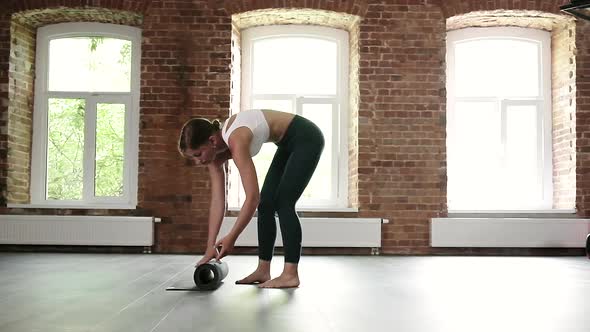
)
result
[(240, 150), (216, 209)]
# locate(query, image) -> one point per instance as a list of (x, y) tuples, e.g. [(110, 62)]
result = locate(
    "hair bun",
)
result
[(216, 124)]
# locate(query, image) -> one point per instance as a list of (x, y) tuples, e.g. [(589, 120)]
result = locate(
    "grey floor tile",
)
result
[(113, 292)]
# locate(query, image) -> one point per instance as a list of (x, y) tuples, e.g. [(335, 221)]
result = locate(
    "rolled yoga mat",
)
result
[(209, 276)]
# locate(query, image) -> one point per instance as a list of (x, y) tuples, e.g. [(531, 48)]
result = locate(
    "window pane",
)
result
[(474, 156), (262, 162), (294, 65), (320, 187), (522, 172), (497, 67), (89, 64), (110, 143), (277, 105), (65, 148)]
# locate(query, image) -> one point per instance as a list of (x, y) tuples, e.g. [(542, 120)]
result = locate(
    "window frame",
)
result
[(130, 99), (543, 102), (339, 102)]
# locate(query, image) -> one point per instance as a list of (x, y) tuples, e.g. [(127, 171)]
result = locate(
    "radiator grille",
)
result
[(76, 230), (509, 232), (320, 232)]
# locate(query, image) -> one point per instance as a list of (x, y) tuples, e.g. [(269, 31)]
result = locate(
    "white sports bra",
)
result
[(256, 122)]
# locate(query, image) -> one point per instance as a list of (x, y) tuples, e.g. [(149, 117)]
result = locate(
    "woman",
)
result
[(300, 143)]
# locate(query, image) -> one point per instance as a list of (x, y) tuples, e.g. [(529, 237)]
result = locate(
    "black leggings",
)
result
[(291, 169)]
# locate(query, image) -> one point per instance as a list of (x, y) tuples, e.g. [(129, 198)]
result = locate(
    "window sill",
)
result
[(561, 213), (73, 206), (311, 209)]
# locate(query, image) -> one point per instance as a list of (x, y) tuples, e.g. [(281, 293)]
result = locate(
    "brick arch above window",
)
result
[(40, 17), (305, 16), (353, 7), (515, 18), (457, 7), (136, 6)]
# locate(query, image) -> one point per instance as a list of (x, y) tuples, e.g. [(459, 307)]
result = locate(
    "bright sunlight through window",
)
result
[(499, 119), (302, 70)]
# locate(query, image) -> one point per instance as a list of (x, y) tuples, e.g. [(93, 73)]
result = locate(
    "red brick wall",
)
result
[(401, 121), (185, 72), (20, 110), (4, 60), (583, 119), (138, 6)]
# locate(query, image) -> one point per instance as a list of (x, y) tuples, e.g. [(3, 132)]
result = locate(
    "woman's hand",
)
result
[(209, 255), (226, 244)]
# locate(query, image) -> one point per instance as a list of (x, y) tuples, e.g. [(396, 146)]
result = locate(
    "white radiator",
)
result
[(509, 232), (77, 230), (319, 232)]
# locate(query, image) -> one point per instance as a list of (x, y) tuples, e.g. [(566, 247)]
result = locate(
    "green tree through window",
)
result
[(66, 116)]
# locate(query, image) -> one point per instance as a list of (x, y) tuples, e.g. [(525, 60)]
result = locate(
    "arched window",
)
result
[(499, 119), (302, 70), (86, 116)]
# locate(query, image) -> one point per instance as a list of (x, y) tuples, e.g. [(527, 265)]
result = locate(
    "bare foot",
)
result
[(257, 277), (282, 281)]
